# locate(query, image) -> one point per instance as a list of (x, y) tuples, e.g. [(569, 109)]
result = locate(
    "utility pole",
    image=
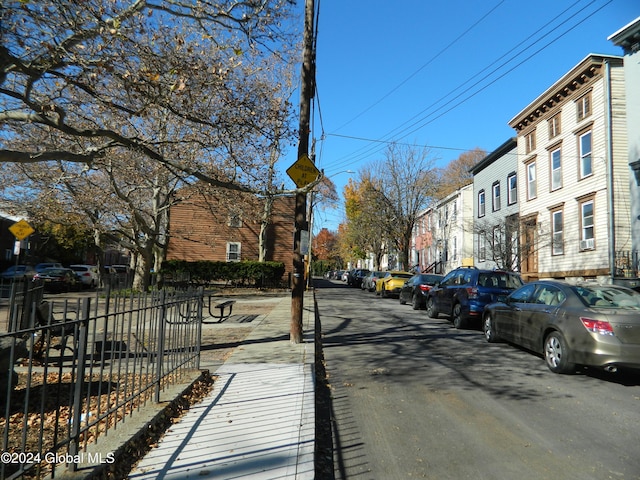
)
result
[(307, 87)]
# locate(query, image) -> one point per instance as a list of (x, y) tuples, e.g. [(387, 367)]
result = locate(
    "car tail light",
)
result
[(597, 326), (425, 288), (86, 274), (472, 292)]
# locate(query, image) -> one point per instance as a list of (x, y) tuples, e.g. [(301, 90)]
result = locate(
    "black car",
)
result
[(58, 279), (356, 276), (416, 289), (465, 291)]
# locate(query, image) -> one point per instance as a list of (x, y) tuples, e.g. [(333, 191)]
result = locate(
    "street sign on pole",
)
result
[(21, 229), (303, 171)]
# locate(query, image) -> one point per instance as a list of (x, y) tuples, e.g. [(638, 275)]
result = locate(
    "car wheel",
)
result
[(489, 330), (556, 354), (415, 302), (431, 309), (402, 300), (458, 321)]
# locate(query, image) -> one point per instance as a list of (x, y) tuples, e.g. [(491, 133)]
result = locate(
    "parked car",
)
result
[(370, 279), (586, 324), (416, 289), (465, 291), (337, 274), (391, 283), (58, 279), (42, 266), (345, 275), (89, 275), (17, 272), (356, 276)]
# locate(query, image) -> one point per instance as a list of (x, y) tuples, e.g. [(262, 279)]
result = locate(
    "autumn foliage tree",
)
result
[(457, 172)]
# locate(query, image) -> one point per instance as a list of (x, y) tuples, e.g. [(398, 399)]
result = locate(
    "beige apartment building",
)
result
[(573, 175)]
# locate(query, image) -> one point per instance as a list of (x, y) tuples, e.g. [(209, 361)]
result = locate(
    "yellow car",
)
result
[(391, 283)]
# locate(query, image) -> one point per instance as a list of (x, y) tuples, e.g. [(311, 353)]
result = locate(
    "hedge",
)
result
[(238, 273)]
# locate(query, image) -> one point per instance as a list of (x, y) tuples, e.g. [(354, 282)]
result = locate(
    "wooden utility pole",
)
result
[(307, 87)]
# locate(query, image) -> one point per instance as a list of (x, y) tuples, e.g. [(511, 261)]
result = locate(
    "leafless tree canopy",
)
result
[(80, 80)]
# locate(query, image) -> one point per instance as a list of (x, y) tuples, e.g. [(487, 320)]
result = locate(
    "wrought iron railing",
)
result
[(77, 369)]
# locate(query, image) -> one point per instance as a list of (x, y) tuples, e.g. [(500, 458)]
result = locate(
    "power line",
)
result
[(397, 87), (386, 139)]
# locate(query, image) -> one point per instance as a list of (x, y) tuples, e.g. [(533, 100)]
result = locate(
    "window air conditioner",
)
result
[(587, 244)]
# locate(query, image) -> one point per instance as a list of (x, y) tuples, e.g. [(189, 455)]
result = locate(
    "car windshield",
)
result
[(499, 280), (608, 296), (430, 278)]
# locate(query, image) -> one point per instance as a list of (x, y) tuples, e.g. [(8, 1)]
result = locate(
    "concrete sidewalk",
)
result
[(259, 420)]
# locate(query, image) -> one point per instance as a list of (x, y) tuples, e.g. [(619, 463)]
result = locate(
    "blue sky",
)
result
[(448, 75)]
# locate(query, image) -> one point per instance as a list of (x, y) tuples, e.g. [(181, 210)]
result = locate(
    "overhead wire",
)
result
[(375, 147), (442, 51)]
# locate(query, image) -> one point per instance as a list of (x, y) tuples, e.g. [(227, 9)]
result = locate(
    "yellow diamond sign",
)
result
[(303, 171), (21, 229)]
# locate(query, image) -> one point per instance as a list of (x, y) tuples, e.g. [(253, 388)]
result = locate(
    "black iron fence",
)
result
[(73, 370)]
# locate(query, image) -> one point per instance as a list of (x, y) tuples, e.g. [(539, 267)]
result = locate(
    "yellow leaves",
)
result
[(154, 77)]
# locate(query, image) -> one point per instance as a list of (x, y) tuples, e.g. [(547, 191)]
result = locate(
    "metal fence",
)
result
[(73, 370)]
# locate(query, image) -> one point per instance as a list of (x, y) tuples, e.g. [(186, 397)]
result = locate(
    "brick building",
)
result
[(217, 229)]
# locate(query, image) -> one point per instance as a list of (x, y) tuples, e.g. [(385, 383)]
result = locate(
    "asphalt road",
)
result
[(415, 398)]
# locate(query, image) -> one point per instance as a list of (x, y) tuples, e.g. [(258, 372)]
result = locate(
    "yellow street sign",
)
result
[(303, 171), (21, 229)]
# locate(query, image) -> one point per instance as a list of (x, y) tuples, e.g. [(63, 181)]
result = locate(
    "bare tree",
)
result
[(406, 184), (133, 99), (511, 243), (86, 75)]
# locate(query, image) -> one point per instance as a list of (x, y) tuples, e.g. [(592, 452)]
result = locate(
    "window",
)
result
[(530, 142), (496, 196), (586, 225), (557, 239), (531, 181), (497, 239), (586, 164), (512, 185), (481, 203), (556, 169), (554, 126), (583, 107), (235, 221), (233, 252), (455, 248), (482, 247)]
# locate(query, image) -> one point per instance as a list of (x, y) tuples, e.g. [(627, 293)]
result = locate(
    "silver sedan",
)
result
[(570, 325)]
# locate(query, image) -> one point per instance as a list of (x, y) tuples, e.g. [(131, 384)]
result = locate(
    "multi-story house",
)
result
[(496, 209), (628, 37), (574, 174), (444, 237)]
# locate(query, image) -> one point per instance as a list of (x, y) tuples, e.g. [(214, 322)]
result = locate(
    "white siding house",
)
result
[(574, 174), (495, 209), (628, 38), (445, 239)]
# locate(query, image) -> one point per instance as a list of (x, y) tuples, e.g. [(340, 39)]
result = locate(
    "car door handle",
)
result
[(517, 309)]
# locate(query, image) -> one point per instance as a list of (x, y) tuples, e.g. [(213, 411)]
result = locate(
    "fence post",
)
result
[(76, 417), (162, 319), (199, 325)]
